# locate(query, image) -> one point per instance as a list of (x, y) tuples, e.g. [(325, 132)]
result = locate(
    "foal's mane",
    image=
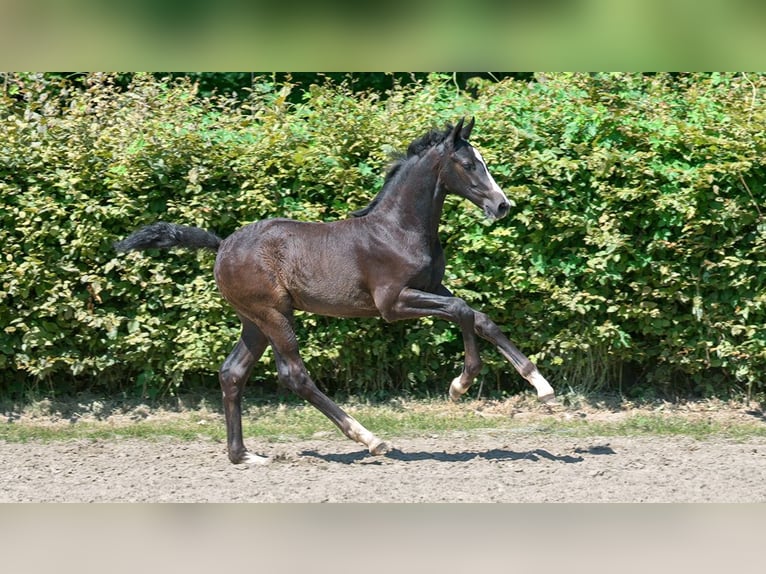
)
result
[(416, 149)]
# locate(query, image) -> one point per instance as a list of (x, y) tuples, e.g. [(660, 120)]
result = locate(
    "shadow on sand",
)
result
[(443, 456)]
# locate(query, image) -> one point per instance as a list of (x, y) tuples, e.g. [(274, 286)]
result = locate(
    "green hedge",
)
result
[(632, 260)]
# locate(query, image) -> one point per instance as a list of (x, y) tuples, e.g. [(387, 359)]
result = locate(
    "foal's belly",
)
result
[(325, 292), (332, 308)]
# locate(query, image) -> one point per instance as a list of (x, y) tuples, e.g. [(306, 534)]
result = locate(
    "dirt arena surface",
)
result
[(483, 466)]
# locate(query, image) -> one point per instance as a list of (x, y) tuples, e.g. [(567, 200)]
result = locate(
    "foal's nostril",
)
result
[(503, 207)]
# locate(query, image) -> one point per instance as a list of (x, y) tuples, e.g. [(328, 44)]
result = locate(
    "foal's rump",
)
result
[(303, 265)]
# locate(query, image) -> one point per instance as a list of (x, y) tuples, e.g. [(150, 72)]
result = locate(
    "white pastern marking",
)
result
[(359, 433), (456, 389), (538, 382)]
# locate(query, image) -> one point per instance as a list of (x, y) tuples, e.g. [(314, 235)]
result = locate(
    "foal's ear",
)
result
[(465, 133), (456, 134)]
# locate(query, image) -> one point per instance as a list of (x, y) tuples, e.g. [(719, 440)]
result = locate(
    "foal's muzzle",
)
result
[(497, 209)]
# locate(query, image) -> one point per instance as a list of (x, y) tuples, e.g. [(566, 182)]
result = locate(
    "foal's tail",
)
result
[(163, 235)]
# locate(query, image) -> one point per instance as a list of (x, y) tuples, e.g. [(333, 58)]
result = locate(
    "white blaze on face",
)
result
[(496, 188)]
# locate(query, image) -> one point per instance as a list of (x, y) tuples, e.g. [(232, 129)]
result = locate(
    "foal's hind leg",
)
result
[(293, 374), (234, 373)]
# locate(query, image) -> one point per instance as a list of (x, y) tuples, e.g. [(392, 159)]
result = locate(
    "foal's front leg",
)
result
[(412, 303), (483, 326), (486, 329)]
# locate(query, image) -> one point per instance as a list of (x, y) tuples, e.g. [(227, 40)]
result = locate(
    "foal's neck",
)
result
[(417, 200)]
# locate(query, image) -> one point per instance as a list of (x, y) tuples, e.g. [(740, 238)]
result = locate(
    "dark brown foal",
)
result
[(386, 262)]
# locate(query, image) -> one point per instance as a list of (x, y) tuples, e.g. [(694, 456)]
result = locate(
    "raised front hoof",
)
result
[(250, 459), (456, 390), (379, 448), (545, 392)]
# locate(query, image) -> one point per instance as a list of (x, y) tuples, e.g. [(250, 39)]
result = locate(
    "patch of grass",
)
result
[(280, 422), (145, 430), (305, 421), (655, 425), (664, 425)]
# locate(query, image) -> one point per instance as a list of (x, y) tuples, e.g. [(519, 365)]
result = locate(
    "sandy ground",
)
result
[(485, 466)]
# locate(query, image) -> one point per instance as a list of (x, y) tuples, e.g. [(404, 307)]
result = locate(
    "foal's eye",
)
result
[(468, 165)]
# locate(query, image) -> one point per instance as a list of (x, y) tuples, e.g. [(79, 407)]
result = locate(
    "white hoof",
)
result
[(255, 459), (545, 392), (456, 390), (379, 447)]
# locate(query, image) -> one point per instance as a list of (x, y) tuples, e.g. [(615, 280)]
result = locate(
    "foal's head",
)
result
[(464, 173)]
